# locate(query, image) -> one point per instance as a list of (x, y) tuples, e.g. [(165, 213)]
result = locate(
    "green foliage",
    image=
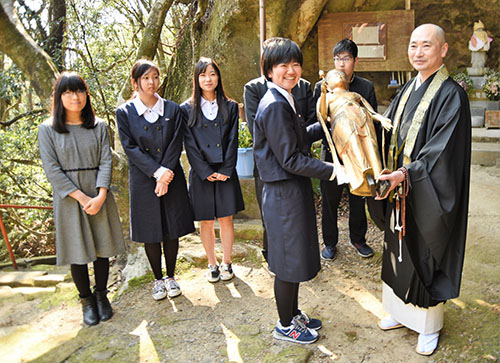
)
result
[(11, 83), (22, 182), (244, 136)]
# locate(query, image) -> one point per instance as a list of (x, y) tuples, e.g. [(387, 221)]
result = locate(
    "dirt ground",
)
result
[(233, 321)]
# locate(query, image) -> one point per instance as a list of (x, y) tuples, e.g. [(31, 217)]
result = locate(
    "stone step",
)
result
[(485, 153), (7, 291), (51, 279), (245, 229), (20, 278), (485, 135)]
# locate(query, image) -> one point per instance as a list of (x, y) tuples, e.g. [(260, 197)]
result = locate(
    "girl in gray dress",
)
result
[(76, 156)]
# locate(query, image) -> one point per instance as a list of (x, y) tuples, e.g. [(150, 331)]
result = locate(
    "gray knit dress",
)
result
[(80, 159)]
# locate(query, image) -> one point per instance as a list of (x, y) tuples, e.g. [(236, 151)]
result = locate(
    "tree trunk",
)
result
[(228, 32), (57, 15), (35, 64), (150, 38)]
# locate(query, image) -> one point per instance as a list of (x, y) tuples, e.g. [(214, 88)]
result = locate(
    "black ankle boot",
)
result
[(104, 308), (89, 308)]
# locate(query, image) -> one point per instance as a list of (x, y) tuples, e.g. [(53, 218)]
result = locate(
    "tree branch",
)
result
[(23, 115), (150, 37), (33, 61), (94, 69)]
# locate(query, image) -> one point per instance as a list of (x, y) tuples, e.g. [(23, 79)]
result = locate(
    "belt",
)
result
[(79, 169)]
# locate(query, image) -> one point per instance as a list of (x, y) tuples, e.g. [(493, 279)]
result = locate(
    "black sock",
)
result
[(286, 300), (101, 273), (153, 251), (170, 249), (80, 275)]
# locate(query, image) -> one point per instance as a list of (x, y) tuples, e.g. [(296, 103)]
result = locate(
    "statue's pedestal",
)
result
[(479, 103), (478, 60)]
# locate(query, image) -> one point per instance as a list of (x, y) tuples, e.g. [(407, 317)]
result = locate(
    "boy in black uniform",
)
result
[(345, 56)]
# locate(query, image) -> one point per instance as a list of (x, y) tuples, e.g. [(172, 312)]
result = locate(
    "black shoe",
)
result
[(329, 253), (264, 253), (104, 308), (89, 309), (363, 249)]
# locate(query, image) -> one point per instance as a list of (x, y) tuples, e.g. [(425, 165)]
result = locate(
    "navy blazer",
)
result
[(213, 146), (281, 142), (149, 146), (256, 89)]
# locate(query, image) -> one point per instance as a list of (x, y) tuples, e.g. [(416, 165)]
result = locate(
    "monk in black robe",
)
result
[(429, 150)]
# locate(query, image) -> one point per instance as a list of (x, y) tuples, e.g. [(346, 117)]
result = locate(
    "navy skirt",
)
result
[(290, 220), (217, 199)]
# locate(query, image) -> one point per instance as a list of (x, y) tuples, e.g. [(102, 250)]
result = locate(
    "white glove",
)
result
[(341, 175)]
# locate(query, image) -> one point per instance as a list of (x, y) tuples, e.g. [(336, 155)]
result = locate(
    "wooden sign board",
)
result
[(382, 38), (492, 119)]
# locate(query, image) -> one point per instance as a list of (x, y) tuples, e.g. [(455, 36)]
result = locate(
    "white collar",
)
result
[(204, 101), (418, 80), (285, 94), (142, 108), (209, 108)]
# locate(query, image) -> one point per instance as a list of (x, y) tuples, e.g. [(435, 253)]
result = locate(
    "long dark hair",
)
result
[(201, 67), (70, 81), (139, 69)]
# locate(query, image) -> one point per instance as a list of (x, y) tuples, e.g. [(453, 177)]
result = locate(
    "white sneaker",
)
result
[(388, 323), (173, 288), (213, 274), (427, 343), (226, 272), (159, 290)]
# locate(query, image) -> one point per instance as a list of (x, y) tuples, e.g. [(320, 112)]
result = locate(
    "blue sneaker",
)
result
[(363, 249), (329, 253), (311, 323), (297, 332)]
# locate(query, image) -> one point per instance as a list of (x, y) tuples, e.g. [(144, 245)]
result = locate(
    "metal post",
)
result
[(9, 248), (262, 23), (408, 7)]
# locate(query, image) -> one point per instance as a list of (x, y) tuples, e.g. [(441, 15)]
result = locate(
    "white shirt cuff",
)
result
[(159, 172), (332, 178)]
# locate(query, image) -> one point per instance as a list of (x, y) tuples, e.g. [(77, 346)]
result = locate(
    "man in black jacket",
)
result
[(252, 94), (345, 56)]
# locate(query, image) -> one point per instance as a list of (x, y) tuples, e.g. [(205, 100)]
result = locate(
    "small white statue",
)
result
[(479, 44), (480, 41)]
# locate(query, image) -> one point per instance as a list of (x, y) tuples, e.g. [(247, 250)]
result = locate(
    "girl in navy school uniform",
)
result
[(150, 130), (211, 142)]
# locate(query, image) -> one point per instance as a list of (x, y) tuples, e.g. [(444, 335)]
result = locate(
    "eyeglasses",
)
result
[(344, 60), (72, 93)]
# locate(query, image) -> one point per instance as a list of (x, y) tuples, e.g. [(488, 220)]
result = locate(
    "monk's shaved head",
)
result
[(435, 30), (427, 49)]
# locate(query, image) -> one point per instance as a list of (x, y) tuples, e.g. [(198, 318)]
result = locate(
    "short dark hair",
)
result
[(201, 67), (278, 50), (140, 68), (346, 45), (70, 81)]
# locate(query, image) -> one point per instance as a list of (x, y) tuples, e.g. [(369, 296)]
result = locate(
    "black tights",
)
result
[(287, 297), (170, 249), (80, 274)]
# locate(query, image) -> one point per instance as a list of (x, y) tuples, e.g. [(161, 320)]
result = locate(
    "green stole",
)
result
[(409, 143)]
